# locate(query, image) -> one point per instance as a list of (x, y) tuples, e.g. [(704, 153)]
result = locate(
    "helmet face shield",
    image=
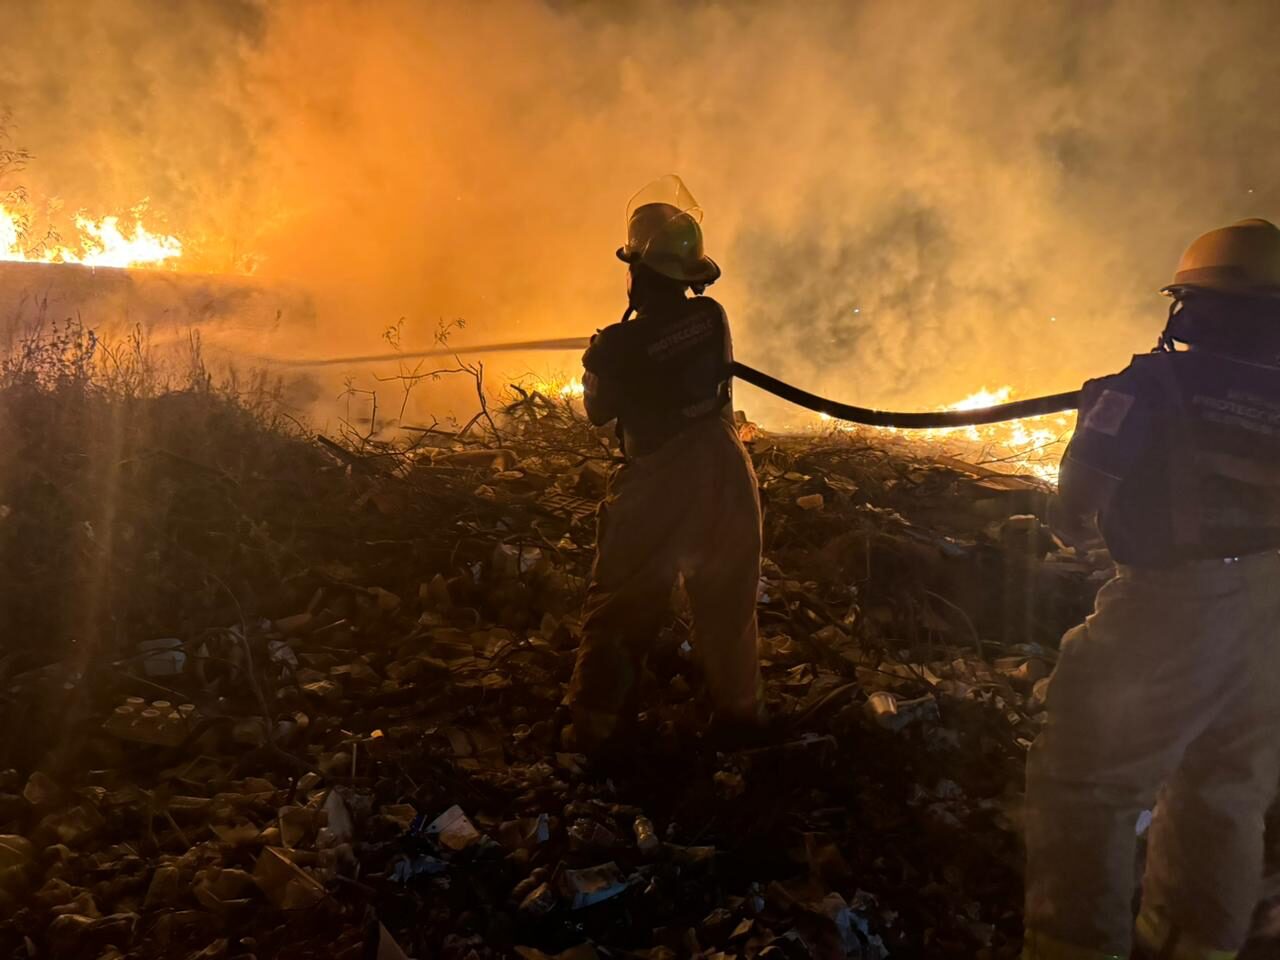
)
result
[(669, 190), (664, 232)]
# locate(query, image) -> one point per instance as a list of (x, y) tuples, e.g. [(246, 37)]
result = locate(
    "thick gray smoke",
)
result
[(910, 200)]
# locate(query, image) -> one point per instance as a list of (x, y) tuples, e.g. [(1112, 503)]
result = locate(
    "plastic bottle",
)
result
[(646, 836)]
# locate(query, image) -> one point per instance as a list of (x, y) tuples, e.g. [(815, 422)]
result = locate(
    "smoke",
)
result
[(909, 200)]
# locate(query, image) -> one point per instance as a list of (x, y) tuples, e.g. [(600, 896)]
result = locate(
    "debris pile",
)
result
[(321, 711)]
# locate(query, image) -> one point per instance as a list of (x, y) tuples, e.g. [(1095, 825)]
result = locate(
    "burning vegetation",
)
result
[(1031, 446), (98, 243), (107, 241)]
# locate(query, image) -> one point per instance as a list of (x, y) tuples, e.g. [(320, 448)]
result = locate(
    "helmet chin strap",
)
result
[(1167, 342)]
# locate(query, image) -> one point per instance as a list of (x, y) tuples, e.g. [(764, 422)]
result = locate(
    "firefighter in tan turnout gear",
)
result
[(685, 504), (1168, 695)]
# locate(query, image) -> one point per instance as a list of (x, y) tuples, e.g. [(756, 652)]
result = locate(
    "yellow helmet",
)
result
[(1243, 258), (664, 233)]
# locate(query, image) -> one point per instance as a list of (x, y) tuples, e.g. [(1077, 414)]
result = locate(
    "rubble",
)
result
[(326, 716)]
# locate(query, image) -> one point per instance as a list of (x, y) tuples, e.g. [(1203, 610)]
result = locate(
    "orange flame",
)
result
[(1032, 446), (571, 388), (568, 388), (98, 243)]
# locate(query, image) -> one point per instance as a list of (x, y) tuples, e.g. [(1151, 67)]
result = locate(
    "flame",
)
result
[(1032, 446), (571, 388), (983, 398), (568, 388), (99, 243)]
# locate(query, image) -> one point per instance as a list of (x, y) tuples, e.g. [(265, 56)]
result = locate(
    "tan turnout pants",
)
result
[(691, 508), (1169, 690)]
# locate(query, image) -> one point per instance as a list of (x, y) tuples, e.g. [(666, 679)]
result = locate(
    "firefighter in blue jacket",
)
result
[(1168, 695)]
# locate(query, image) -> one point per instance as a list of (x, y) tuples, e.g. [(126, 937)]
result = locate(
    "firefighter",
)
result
[(1168, 695), (685, 503)]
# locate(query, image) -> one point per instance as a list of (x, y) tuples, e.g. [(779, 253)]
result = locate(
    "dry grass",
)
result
[(128, 492)]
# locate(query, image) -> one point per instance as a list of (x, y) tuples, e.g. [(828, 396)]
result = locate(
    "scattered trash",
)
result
[(511, 560), (585, 888), (405, 624), (539, 902), (165, 889), (387, 948), (453, 830), (164, 657), (406, 869), (284, 884), (587, 834), (812, 502), (159, 722), (882, 706), (338, 818), (402, 814), (646, 837), (893, 713)]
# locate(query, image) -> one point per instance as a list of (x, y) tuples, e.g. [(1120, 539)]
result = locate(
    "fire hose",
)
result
[(928, 420), (925, 420)]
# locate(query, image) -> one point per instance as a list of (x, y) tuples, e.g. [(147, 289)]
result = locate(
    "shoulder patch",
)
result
[(1108, 413)]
